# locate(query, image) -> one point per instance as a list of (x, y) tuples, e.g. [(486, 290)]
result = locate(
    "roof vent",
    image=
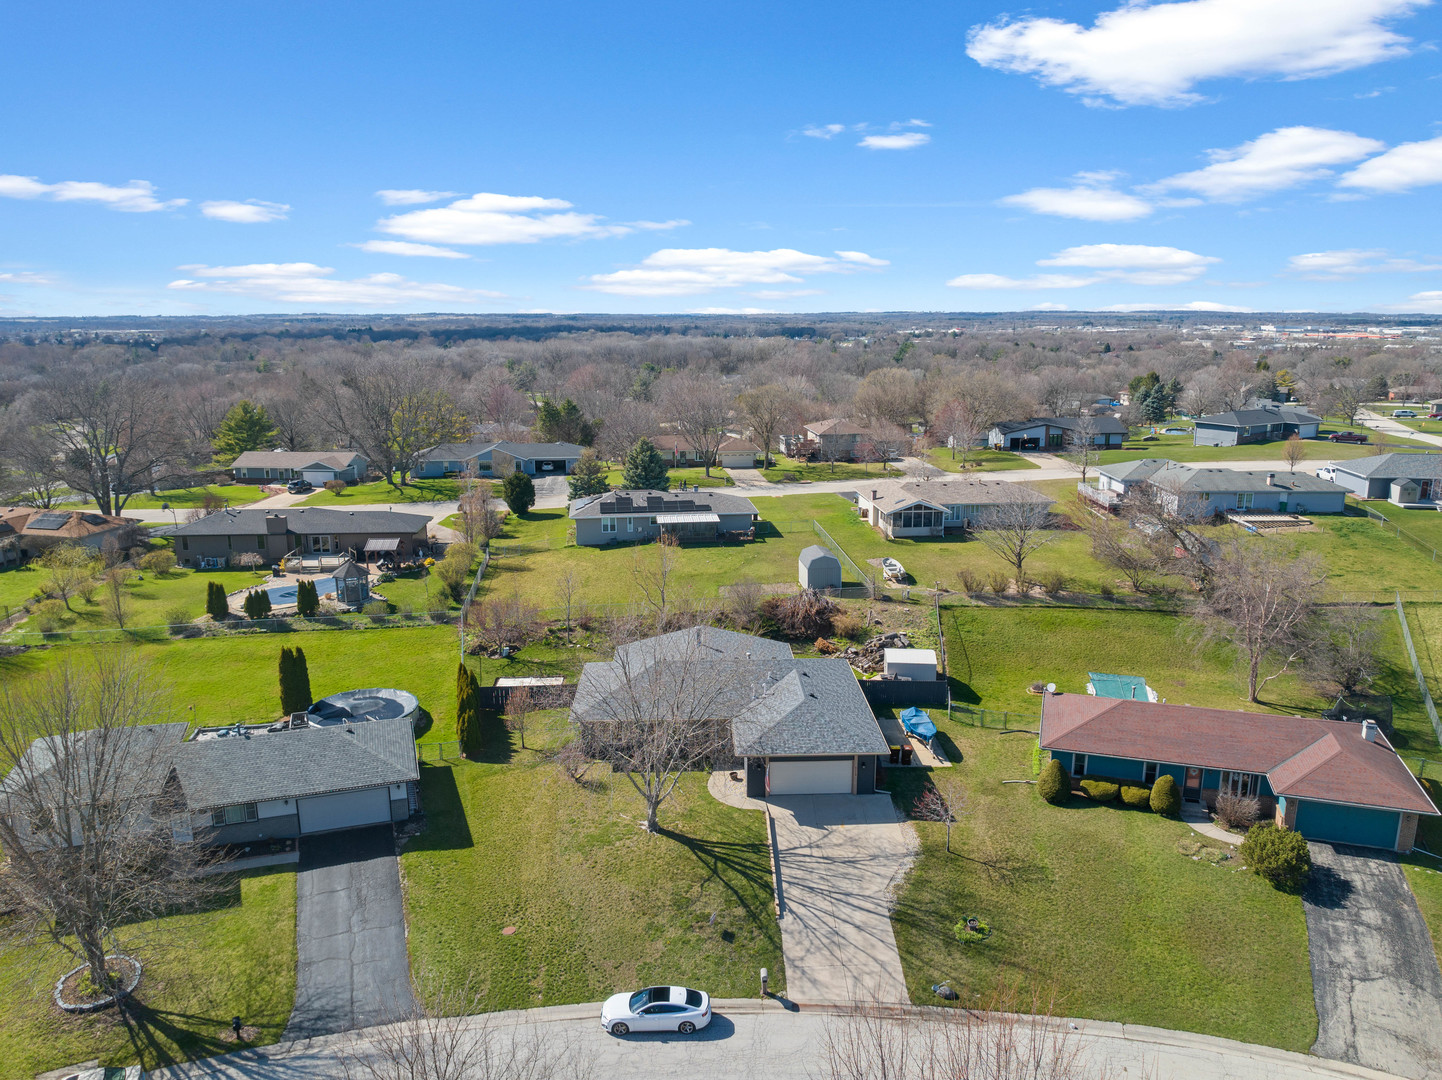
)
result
[(1369, 730)]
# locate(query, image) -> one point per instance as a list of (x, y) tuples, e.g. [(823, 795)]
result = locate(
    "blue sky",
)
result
[(229, 158)]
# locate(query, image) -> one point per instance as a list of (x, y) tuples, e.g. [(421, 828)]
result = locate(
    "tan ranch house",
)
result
[(213, 541)]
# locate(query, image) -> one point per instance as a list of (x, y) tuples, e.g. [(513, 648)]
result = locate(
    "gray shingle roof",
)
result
[(296, 764), (540, 450), (1178, 477), (305, 519), (1141, 469), (810, 554), (807, 707), (660, 502), (457, 451), (1255, 417), (1391, 466), (972, 491), (291, 459), (1101, 425)]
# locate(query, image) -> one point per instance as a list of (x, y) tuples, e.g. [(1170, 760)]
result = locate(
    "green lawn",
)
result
[(188, 498), (1180, 448), (439, 489), (1362, 556), (1424, 872), (1425, 525), (237, 960), (598, 905), (784, 467), (719, 477), (1096, 903), (19, 584), (150, 597), (978, 460)]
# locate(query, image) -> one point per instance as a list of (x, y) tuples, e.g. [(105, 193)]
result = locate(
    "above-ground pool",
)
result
[(284, 593), (371, 704)]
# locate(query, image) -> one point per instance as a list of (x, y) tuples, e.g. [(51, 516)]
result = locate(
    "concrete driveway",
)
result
[(839, 857), (1374, 974), (552, 492), (350, 933)]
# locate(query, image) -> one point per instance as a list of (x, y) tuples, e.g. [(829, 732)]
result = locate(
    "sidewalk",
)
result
[(1377, 422)]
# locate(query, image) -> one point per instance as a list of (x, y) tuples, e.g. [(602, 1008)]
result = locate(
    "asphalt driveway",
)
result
[(839, 856), (350, 933), (1374, 974)]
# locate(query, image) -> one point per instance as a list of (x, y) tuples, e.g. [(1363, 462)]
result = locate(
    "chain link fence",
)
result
[(1427, 702)]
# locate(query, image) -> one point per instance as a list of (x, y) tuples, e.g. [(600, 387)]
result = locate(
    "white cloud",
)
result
[(1430, 301), (250, 212), (1037, 281), (406, 247), (1402, 168), (1140, 264), (823, 131), (656, 226), (1049, 306), (1350, 262), (907, 140), (136, 197), (1156, 53), (1094, 201), (1274, 161), (25, 277), (688, 271), (307, 283), (412, 196), (487, 218)]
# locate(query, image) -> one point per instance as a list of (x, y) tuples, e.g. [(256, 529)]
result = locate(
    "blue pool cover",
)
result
[(285, 593), (918, 723)]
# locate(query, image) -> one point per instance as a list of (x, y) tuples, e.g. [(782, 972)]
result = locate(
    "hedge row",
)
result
[(1163, 797)]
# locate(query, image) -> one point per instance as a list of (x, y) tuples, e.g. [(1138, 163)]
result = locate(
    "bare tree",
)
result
[(297, 427), (766, 410), (568, 590), (1348, 401), (961, 425), (114, 598), (501, 623), (1294, 452), (71, 568), (573, 760), (480, 510), (1343, 655), (652, 571), (700, 407), (627, 421), (1124, 549), (1082, 453), (1015, 526), (96, 835), (1169, 519), (520, 704), (943, 806), (1261, 598)]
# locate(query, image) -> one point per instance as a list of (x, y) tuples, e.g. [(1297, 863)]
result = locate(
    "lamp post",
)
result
[(173, 519)]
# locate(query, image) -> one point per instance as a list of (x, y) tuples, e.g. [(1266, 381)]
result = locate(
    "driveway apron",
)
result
[(839, 856), (351, 964), (1374, 974)]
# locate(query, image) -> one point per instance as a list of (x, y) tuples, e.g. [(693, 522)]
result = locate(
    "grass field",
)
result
[(598, 905), (783, 467), (188, 498), (439, 489), (1424, 872), (1180, 448), (719, 477), (237, 960), (978, 461), (149, 597), (1096, 903)]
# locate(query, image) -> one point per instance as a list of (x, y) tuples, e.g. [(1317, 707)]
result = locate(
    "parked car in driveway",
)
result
[(1327, 472), (1347, 436), (299, 487), (1404, 414), (657, 1008)]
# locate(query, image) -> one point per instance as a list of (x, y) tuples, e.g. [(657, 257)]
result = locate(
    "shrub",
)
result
[(806, 615), (967, 936), (256, 604), (1279, 855), (1166, 798), (1136, 795), (158, 562), (377, 609), (47, 616), (437, 609), (294, 681), (1239, 812), (307, 599), (335, 487), (844, 624), (1054, 582), (1100, 790), (177, 617), (999, 582), (1106, 591), (1053, 785), (970, 580), (216, 605), (519, 491)]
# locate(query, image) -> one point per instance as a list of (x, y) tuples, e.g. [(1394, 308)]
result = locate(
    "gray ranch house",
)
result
[(449, 458), (1260, 421), (534, 459), (642, 515), (1402, 479), (1204, 489), (800, 727), (907, 508), (214, 540), (1056, 433), (262, 466)]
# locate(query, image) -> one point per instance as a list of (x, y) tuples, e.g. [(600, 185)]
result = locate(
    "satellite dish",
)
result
[(1051, 688)]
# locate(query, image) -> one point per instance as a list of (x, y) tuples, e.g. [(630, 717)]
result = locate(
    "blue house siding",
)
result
[(1210, 435), (1358, 825)]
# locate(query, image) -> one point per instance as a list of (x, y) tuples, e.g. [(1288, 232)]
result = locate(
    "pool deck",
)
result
[(268, 582)]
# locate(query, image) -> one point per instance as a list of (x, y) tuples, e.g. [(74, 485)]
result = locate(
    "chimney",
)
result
[(1271, 479), (1369, 730), (873, 494)]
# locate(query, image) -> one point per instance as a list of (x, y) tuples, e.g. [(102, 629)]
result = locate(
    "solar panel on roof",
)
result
[(92, 519), (49, 521)]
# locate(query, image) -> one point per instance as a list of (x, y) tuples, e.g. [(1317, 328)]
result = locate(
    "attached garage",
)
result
[(345, 810), (815, 776), (1359, 825), (318, 477)]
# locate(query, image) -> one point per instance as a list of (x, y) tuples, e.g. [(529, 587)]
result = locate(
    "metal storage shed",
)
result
[(819, 569)]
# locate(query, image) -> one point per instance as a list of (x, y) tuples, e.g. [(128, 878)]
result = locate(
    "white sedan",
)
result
[(657, 1008)]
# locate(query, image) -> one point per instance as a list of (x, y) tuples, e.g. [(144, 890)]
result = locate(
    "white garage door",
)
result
[(810, 777), (322, 813), (318, 478)]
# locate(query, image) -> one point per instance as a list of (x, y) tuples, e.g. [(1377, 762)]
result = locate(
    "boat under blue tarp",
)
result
[(918, 723)]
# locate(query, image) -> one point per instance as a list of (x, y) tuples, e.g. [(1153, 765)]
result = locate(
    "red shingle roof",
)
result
[(1324, 760)]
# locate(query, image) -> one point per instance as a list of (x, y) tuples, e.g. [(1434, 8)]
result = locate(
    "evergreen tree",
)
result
[(564, 423), (1143, 384), (519, 491), (294, 681), (468, 719), (1153, 405), (245, 427), (307, 599), (256, 604), (588, 477), (216, 605), (644, 468)]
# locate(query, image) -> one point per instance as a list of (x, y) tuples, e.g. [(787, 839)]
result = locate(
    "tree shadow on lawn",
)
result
[(446, 826), (743, 860), (192, 1035)]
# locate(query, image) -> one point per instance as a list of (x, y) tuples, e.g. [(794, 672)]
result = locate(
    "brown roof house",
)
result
[(26, 533), (308, 533), (1330, 780)]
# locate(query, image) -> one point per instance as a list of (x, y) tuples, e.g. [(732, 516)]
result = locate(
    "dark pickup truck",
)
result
[(1347, 436)]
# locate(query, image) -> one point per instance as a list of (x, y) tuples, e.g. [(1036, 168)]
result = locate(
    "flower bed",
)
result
[(75, 993)]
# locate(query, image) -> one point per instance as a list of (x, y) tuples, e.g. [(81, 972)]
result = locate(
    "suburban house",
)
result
[(1201, 489), (829, 440), (817, 568), (216, 539), (260, 466), (27, 533), (1056, 433), (1259, 421), (903, 508), (800, 727), (450, 458), (641, 515), (1328, 779), (733, 453), (261, 783), (534, 459), (1403, 479)]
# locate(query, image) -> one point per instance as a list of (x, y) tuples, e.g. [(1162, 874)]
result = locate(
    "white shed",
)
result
[(917, 665)]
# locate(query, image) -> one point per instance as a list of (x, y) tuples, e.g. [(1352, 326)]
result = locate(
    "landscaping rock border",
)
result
[(99, 1003)]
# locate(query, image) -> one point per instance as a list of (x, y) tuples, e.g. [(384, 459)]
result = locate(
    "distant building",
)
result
[(535, 459), (452, 458), (907, 508), (829, 440), (1401, 479), (27, 533), (260, 466), (1201, 488), (1056, 433), (1260, 421), (641, 515)]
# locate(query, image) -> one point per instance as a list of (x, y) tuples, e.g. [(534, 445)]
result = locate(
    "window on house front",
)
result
[(608, 524), (630, 524), (235, 815), (1244, 500), (185, 543), (1149, 773), (1240, 783), (260, 543), (1079, 765)]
